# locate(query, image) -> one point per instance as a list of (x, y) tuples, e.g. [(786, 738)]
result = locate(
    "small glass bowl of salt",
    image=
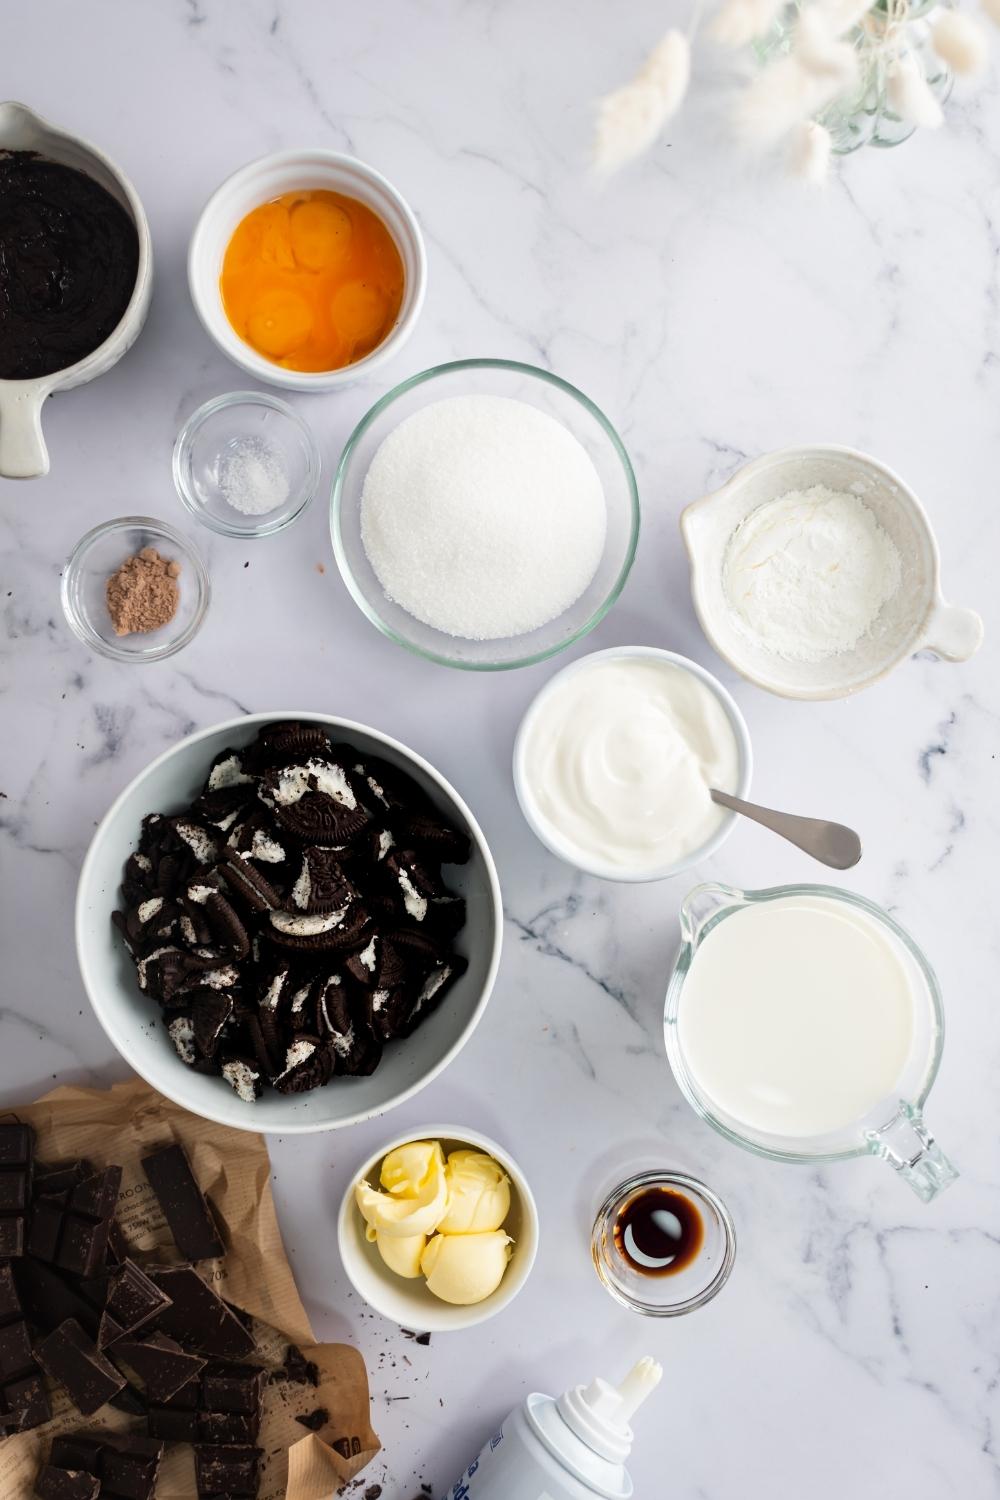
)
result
[(246, 464)]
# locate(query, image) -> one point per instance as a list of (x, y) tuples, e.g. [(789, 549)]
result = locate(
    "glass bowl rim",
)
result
[(650, 1178), (184, 442), (82, 629), (402, 389), (682, 963)]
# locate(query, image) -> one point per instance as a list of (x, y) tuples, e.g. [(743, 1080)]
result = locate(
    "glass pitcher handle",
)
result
[(906, 1144)]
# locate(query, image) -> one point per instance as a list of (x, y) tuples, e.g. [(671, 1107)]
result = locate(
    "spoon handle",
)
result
[(831, 843)]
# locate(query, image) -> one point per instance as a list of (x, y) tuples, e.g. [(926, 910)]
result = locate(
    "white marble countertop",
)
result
[(714, 312)]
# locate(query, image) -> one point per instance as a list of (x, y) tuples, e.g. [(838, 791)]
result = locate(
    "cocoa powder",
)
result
[(143, 595)]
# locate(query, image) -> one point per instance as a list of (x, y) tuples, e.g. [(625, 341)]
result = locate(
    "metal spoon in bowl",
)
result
[(831, 843)]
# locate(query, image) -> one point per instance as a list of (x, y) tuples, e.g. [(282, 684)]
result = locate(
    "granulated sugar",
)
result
[(483, 517)]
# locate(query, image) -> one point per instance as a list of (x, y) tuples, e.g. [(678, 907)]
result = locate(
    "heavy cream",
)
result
[(619, 757), (797, 1016)]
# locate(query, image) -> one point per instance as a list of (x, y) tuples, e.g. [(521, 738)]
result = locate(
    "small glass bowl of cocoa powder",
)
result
[(135, 589)]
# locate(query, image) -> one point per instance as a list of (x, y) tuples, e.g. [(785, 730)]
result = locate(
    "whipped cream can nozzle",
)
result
[(643, 1378)]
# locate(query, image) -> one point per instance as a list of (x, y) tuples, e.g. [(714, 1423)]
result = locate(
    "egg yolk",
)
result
[(312, 280)]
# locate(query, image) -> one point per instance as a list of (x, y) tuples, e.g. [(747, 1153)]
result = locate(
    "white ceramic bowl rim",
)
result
[(205, 292), (452, 1317), (345, 727), (566, 851)]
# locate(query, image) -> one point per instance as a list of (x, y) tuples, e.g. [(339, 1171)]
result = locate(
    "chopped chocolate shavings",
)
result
[(314, 1420)]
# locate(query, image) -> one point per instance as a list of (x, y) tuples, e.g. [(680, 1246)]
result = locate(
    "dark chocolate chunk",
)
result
[(24, 1402), (162, 1366), (70, 1229), (184, 1205), (70, 1357), (314, 1420), (132, 1301), (125, 1466), (49, 1298), (66, 1484), (298, 1369), (231, 1470), (17, 1151), (60, 1178), (232, 1388), (198, 1318), (131, 1400)]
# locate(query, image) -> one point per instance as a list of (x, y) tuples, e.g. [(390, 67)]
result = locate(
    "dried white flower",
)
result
[(783, 95), (809, 157), (843, 15), (630, 119), (740, 22), (960, 42), (910, 96), (816, 46)]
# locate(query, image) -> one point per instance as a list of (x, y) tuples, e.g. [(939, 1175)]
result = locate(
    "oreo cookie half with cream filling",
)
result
[(308, 1065), (314, 801), (243, 1074), (321, 884), (320, 932), (248, 883)]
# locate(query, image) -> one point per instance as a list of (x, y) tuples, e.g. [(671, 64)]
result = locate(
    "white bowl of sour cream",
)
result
[(615, 759)]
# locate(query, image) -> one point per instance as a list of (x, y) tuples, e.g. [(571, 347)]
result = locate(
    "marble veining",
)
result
[(714, 311)]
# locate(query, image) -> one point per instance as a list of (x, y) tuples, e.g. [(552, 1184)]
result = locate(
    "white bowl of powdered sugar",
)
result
[(814, 571), (485, 514)]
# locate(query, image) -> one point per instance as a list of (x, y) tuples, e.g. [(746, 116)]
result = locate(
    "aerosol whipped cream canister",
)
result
[(572, 1448)]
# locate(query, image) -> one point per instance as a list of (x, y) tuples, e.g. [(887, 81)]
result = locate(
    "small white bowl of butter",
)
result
[(615, 759), (403, 1292)]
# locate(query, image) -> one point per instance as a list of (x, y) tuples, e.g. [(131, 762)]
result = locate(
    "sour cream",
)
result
[(616, 759)]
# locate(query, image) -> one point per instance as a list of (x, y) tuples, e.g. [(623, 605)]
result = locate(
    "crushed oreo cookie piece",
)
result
[(294, 919)]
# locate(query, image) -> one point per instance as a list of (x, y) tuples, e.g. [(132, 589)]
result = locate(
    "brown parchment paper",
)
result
[(123, 1124)]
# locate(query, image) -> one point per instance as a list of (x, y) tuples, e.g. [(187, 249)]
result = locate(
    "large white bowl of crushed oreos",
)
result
[(132, 1020)]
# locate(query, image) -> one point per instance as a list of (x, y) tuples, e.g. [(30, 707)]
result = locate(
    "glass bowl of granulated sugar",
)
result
[(485, 514)]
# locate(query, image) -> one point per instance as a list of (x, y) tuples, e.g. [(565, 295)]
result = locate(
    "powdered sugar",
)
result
[(483, 516), (806, 574)]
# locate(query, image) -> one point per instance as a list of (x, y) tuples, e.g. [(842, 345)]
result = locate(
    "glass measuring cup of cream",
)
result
[(806, 1025)]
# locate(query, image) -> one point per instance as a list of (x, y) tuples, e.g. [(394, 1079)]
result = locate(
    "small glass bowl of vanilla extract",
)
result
[(663, 1243)]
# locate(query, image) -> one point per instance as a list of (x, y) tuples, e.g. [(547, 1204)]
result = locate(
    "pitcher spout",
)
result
[(702, 904)]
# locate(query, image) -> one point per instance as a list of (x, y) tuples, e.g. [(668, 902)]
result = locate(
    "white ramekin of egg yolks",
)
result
[(276, 329)]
